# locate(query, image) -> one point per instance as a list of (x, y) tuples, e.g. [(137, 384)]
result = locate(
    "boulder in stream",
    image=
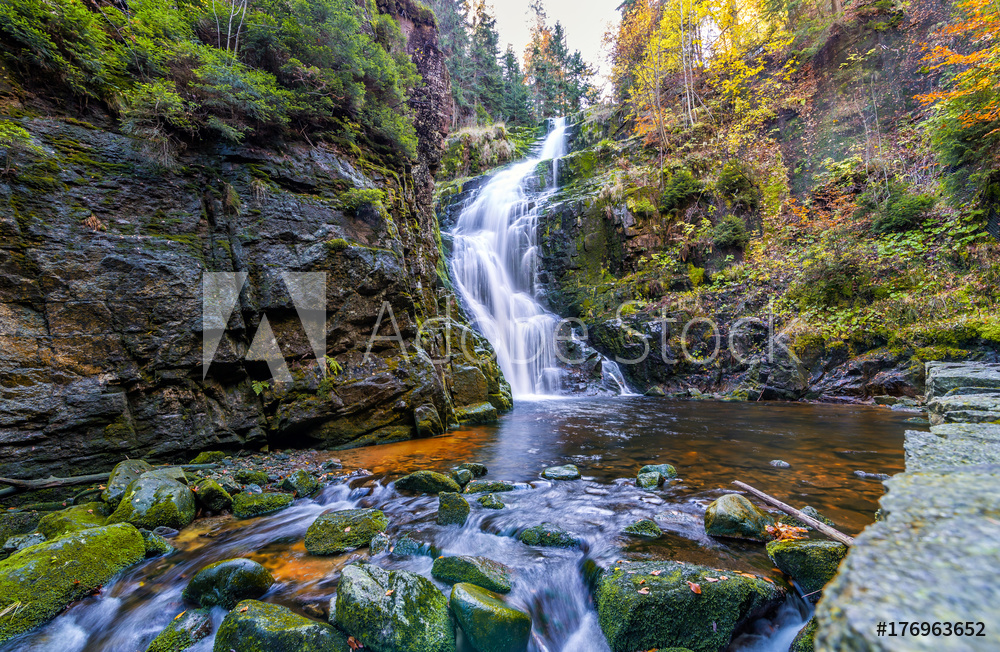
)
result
[(302, 483), (478, 470), (453, 509), (564, 472), (227, 582), (246, 505), (379, 544), (393, 611), (183, 632), (254, 626), (812, 564), (80, 517), (427, 482), (735, 517), (645, 528), (124, 474), (156, 545), (210, 495), (805, 640), (37, 583), (547, 536), (462, 476), (344, 530), (650, 480), (666, 470), (154, 500), (490, 501), (489, 574), (488, 486), (489, 623)]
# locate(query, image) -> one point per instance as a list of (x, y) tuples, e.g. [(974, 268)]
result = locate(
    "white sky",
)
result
[(585, 22)]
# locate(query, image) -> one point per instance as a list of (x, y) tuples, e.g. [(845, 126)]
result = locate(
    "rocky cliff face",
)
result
[(102, 254)]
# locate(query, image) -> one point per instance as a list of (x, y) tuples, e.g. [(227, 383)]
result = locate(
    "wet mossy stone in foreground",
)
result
[(490, 501), (393, 611), (452, 509), (427, 482), (805, 640), (254, 626), (155, 544), (644, 528), (12, 523), (478, 470), (461, 476), (210, 495), (480, 571), (124, 474), (39, 582), (183, 632), (344, 530), (379, 544), (227, 582), (646, 605), (666, 470), (547, 536), (80, 517), (490, 624), (302, 483), (812, 564), (735, 517), (251, 476), (488, 486), (565, 472), (153, 501), (250, 505), (649, 480)]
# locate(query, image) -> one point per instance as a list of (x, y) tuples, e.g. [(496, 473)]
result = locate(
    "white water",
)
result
[(494, 266)]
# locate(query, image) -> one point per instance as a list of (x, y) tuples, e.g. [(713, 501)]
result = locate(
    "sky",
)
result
[(585, 22)]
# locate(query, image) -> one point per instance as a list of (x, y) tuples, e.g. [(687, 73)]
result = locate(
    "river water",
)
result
[(710, 443)]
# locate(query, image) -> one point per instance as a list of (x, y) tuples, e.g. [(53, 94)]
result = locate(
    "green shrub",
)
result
[(680, 190), (836, 278), (355, 198), (337, 244), (736, 186), (902, 213), (731, 231)]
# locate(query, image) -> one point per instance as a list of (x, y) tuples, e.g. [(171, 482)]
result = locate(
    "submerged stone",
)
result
[(210, 495), (254, 626), (407, 546), (124, 474), (344, 530), (379, 544), (302, 483), (565, 472), (644, 528), (153, 501), (649, 480), (546, 536), (666, 470), (735, 517), (812, 564), (490, 501), (480, 571), (461, 476), (478, 470), (227, 582), (427, 482), (452, 509), (80, 517), (250, 505), (488, 486), (183, 632), (489, 623)]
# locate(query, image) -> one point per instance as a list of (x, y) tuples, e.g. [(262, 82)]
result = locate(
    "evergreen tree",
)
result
[(516, 100), (487, 77)]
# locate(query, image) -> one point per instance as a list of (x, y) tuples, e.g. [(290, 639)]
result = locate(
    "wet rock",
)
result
[(210, 495), (476, 414), (12, 523), (183, 632), (124, 474), (780, 464), (462, 476), (490, 501), (406, 546), (865, 475), (19, 542), (250, 476), (478, 470), (332, 464), (677, 606), (344, 530), (735, 517), (166, 532), (153, 501), (250, 505), (428, 421), (812, 564), (393, 611), (302, 483), (254, 626), (546, 536), (46, 578), (565, 472), (209, 457), (649, 480), (80, 517), (227, 582), (168, 473), (488, 486), (666, 470), (156, 545), (427, 482), (488, 574), (644, 528), (252, 489), (808, 510), (805, 640), (489, 623), (945, 376), (452, 509), (379, 544), (469, 385)]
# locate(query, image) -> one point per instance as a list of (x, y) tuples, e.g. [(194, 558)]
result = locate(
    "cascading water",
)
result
[(494, 265)]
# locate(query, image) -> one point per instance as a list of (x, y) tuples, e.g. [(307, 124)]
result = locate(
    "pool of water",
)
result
[(609, 439)]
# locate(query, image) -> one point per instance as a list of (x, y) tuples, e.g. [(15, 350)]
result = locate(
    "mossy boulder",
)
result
[(81, 517), (183, 632), (407, 546), (227, 582), (480, 571), (666, 470), (169, 473), (476, 414), (124, 474), (302, 483), (344, 530), (250, 476), (254, 626), (156, 546), (489, 623), (251, 505), (19, 542), (663, 604), (649, 480), (209, 457), (808, 510), (12, 523), (644, 528), (478, 470), (427, 482), (735, 517), (210, 495), (547, 536), (452, 509), (154, 501), (461, 476), (43, 580), (488, 486), (805, 640), (812, 564), (564, 472), (393, 611), (490, 501)]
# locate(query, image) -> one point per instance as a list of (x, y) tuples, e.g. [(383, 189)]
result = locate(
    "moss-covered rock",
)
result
[(227, 582), (489, 623), (735, 517), (805, 640), (645, 605), (644, 528), (808, 510), (183, 632), (80, 517), (480, 571), (12, 523), (154, 501), (810, 563), (39, 582), (209, 457), (649, 480), (546, 536), (488, 486), (250, 476), (302, 483), (379, 544), (344, 530), (407, 546), (461, 476), (254, 626), (666, 470), (251, 505), (124, 474), (393, 611), (19, 542), (490, 501), (210, 495), (427, 482), (452, 509), (565, 472), (156, 546), (478, 470), (476, 414)]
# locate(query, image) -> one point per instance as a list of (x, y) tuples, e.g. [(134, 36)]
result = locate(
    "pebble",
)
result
[(780, 464), (872, 476)]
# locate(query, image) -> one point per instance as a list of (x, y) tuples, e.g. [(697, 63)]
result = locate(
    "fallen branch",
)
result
[(18, 485), (831, 532)]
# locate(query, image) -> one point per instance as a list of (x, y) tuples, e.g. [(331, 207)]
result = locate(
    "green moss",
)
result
[(344, 530), (209, 457), (488, 486), (549, 537), (488, 574), (666, 470), (80, 517), (490, 501), (228, 582), (453, 509), (249, 476), (210, 495), (254, 626), (427, 482), (810, 563), (805, 640), (250, 505), (156, 546), (183, 632), (733, 516), (337, 244), (153, 501), (487, 621), (644, 528), (301, 483)]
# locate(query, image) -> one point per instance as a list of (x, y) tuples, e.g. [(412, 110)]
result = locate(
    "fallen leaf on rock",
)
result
[(347, 529), (353, 643), (644, 591), (656, 572), (695, 588), (244, 609), (711, 579), (389, 592)]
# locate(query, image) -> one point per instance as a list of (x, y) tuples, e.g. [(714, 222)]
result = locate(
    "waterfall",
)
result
[(494, 266)]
